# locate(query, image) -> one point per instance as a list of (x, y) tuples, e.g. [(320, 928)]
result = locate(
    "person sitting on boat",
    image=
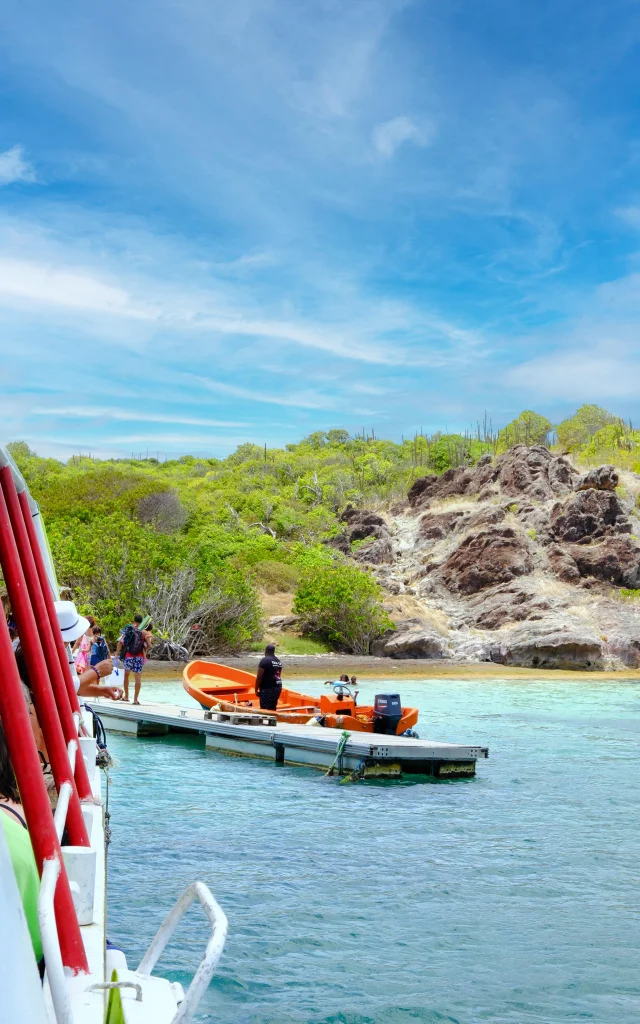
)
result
[(268, 685), (19, 843), (87, 683)]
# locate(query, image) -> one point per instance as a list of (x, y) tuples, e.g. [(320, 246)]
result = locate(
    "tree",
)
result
[(341, 605), (20, 451), (577, 430), (528, 428)]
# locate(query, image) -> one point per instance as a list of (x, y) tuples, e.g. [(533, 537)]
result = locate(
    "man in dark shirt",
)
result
[(268, 679)]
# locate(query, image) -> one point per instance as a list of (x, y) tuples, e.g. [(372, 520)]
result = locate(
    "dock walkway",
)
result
[(370, 754)]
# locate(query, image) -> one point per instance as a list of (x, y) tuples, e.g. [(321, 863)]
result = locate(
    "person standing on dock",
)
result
[(269, 679), (133, 645)]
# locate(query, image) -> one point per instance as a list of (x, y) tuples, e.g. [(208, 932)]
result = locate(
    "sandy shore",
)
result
[(332, 666)]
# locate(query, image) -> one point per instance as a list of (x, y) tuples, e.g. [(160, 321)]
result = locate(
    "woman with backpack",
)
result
[(133, 643)]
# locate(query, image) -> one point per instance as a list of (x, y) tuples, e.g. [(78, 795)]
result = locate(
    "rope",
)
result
[(338, 758), (357, 773)]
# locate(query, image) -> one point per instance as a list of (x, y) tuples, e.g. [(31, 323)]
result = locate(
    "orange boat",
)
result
[(232, 689)]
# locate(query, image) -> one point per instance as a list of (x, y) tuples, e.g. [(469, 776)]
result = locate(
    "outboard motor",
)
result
[(387, 712)]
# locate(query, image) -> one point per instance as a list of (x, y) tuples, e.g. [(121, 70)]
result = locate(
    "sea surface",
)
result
[(510, 898)]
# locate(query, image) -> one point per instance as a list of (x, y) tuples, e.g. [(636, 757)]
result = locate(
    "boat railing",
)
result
[(218, 921), (67, 873), (56, 978)]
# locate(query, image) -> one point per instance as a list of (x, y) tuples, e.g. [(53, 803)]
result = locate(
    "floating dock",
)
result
[(364, 753)]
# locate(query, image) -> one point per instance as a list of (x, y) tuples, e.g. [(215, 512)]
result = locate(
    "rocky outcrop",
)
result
[(604, 478), (362, 524), (283, 621), (549, 645), (615, 561), (412, 638), (532, 472), (589, 516), (484, 559), (437, 526), (521, 557), (511, 602)]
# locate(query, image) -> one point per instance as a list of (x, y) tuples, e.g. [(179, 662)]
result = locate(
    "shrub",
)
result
[(341, 605), (162, 510), (275, 577), (222, 619)]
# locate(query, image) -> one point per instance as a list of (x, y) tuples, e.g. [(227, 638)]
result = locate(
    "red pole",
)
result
[(49, 628), (11, 559), (48, 597), (33, 792)]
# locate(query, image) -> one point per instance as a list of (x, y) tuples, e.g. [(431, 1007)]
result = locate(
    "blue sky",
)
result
[(250, 219)]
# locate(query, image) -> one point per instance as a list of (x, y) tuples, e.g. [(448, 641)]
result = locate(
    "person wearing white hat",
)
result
[(72, 626)]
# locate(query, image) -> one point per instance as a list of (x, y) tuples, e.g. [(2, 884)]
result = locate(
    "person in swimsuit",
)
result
[(269, 679), (134, 661)]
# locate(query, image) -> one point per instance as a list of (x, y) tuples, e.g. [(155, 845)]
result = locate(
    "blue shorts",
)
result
[(134, 664)]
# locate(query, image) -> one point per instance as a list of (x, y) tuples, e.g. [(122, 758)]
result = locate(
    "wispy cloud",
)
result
[(388, 203), (131, 416), (14, 167), (390, 135), (67, 287), (301, 400)]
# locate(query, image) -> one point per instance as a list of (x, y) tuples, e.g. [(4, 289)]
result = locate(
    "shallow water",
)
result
[(510, 898)]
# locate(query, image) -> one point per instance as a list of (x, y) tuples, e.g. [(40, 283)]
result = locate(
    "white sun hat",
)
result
[(72, 624)]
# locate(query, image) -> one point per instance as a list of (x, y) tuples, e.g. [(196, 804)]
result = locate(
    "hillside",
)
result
[(521, 560), (474, 537)]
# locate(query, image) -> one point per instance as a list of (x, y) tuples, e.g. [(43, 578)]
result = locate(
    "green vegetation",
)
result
[(195, 542), (577, 431), (341, 605), (290, 644), (528, 428)]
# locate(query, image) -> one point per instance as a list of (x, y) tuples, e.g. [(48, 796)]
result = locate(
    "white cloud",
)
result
[(390, 135), (301, 400), (14, 167), (609, 370), (65, 286), (125, 415)]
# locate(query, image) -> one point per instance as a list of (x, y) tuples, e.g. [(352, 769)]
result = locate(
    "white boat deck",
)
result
[(297, 744)]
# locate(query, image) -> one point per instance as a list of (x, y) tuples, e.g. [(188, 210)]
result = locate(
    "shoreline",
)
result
[(332, 666)]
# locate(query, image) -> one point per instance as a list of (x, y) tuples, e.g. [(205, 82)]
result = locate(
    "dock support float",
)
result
[(365, 755)]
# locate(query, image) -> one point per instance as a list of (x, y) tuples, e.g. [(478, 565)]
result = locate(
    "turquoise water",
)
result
[(509, 898)]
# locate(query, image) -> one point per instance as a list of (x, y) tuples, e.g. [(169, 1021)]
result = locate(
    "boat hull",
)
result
[(232, 689)]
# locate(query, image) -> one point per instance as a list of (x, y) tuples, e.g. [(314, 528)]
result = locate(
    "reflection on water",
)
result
[(508, 898)]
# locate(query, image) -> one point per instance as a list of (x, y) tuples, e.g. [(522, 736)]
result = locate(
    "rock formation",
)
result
[(522, 556)]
